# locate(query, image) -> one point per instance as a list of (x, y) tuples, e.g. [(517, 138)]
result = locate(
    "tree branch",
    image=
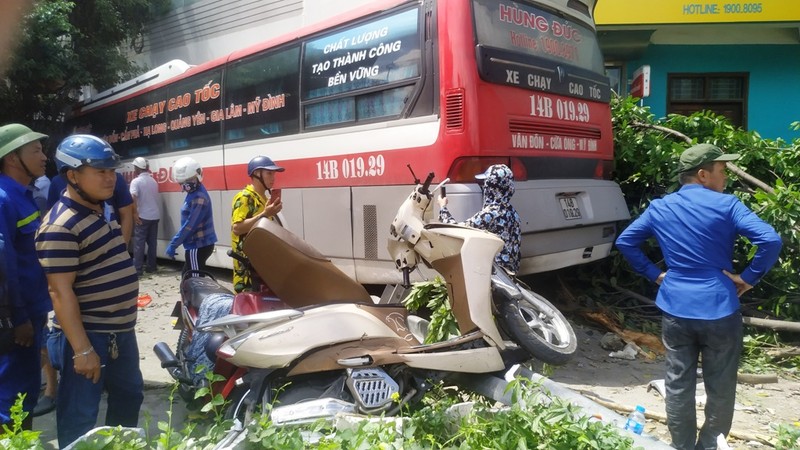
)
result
[(665, 130), (749, 178), (732, 167), (776, 325)]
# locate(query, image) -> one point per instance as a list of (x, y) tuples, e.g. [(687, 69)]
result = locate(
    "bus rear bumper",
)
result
[(553, 261)]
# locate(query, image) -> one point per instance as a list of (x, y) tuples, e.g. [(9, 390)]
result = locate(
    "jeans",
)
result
[(79, 398), (719, 342), (145, 234), (20, 373)]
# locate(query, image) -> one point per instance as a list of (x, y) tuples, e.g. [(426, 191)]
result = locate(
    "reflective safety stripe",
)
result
[(27, 220)]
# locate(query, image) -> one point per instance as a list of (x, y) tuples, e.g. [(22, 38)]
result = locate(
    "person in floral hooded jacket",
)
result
[(497, 215)]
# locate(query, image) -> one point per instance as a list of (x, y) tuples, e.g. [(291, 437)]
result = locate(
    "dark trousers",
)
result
[(20, 373), (79, 398), (145, 235), (196, 258), (719, 342)]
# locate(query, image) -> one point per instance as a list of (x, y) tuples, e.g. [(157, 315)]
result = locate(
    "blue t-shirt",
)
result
[(4, 299), (120, 199), (696, 229)]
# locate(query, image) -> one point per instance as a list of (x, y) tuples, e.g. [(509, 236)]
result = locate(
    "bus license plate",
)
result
[(569, 205)]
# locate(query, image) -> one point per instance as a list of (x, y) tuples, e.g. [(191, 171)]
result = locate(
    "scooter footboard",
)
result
[(474, 360), (467, 270)]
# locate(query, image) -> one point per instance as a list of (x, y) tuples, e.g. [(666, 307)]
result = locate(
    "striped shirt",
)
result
[(74, 238)]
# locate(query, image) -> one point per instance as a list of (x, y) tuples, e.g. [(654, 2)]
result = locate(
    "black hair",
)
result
[(688, 175)]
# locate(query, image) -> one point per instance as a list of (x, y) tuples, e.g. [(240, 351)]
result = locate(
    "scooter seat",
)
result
[(295, 271), (194, 290), (246, 303)]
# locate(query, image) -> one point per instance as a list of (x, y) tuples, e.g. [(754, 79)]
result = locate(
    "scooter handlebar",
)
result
[(427, 185), (242, 259), (441, 186)]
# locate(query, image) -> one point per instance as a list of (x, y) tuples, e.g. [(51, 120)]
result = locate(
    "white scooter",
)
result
[(335, 350)]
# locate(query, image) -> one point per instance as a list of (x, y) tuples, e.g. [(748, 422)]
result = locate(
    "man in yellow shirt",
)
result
[(252, 203)]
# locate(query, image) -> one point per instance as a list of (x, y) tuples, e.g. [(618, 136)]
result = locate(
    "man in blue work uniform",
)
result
[(22, 160), (696, 228)]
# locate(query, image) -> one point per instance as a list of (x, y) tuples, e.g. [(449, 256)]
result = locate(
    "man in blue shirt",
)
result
[(6, 325), (696, 228), (121, 203), (22, 160)]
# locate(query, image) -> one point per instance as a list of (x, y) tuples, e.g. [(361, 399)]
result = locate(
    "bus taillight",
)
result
[(520, 172), (603, 170), (464, 169)]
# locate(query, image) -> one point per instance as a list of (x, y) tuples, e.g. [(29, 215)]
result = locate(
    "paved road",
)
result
[(154, 324)]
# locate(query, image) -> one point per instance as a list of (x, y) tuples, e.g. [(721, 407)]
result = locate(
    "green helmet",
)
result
[(14, 136)]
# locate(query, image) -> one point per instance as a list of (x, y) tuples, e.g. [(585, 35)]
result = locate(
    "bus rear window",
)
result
[(521, 28)]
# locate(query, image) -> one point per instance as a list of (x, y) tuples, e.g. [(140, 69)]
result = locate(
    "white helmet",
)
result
[(186, 168), (140, 163)]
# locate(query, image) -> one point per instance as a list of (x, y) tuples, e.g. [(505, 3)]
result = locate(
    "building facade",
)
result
[(737, 58), (196, 31)]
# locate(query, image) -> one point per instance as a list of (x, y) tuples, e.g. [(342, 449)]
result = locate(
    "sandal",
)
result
[(46, 404)]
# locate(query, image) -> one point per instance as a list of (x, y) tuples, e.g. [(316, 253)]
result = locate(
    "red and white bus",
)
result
[(450, 86)]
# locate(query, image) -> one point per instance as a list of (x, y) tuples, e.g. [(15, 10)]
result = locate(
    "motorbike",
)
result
[(335, 350), (194, 348)]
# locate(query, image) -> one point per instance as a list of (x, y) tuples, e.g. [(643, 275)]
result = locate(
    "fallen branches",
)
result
[(779, 353), (757, 378), (775, 325), (632, 294), (732, 167), (629, 336), (664, 130)]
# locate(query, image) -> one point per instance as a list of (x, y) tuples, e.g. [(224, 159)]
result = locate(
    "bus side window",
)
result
[(267, 86), (364, 72), (192, 105)]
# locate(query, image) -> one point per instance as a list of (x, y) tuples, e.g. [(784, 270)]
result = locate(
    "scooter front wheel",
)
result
[(236, 407), (185, 389), (537, 326)]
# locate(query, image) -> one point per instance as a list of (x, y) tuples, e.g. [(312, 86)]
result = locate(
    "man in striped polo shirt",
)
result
[(94, 288)]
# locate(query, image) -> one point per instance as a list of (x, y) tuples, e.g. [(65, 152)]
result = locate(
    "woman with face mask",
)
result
[(196, 233), (497, 215)]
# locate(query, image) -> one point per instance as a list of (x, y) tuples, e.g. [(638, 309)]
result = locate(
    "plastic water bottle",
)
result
[(635, 422)]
